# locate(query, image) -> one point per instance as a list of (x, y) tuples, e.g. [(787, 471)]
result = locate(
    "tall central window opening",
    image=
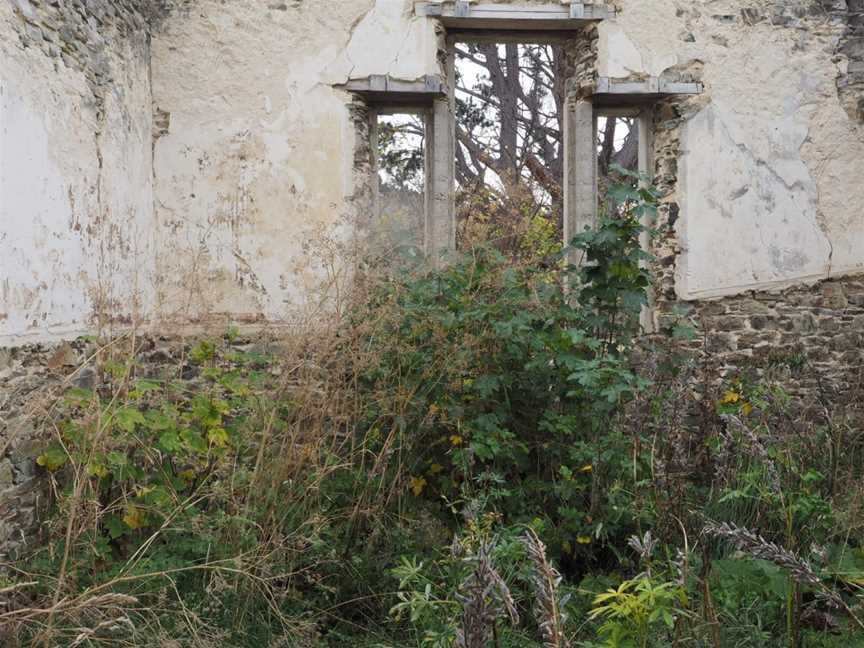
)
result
[(509, 168), (509, 110), (617, 147)]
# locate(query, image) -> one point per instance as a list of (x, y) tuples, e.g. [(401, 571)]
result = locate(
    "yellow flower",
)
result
[(731, 397), (583, 540), (435, 468), (587, 468), (417, 485), (455, 440)]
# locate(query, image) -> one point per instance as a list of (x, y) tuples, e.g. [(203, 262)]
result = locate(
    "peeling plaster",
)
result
[(767, 191), (75, 183), (198, 197)]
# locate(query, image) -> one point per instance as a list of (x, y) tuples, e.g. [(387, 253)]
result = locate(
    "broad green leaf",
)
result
[(128, 417), (54, 457)]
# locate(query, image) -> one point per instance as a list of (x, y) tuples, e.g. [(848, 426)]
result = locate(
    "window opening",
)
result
[(509, 166), (401, 196), (617, 146)]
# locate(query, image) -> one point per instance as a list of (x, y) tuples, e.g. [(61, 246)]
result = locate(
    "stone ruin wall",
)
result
[(75, 191), (817, 324), (222, 158), (75, 164)]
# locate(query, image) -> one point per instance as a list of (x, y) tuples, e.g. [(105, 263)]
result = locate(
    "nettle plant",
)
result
[(502, 381)]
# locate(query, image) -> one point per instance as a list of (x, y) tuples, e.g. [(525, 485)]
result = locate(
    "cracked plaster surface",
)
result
[(255, 151), (75, 176), (769, 160)]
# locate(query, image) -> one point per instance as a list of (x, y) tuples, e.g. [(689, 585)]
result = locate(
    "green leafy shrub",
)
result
[(310, 497)]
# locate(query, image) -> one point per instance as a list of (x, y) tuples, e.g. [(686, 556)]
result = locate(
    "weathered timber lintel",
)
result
[(381, 88), (612, 92), (469, 15)]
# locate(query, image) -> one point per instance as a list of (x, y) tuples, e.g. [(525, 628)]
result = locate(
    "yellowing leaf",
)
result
[(587, 468), (97, 470), (134, 517), (583, 539), (188, 474), (435, 468), (746, 409), (218, 437), (53, 457), (417, 485), (731, 397)]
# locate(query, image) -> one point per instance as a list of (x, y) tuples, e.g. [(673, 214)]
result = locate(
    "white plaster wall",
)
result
[(770, 171), (257, 166), (75, 208), (258, 160)]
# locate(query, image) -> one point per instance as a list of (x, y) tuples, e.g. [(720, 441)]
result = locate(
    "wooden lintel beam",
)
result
[(461, 14), (651, 85), (385, 90)]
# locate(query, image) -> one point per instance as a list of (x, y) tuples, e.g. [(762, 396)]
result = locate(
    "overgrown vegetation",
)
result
[(476, 456)]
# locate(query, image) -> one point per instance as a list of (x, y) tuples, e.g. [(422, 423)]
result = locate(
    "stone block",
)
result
[(25, 449), (730, 323), (724, 342), (828, 324), (85, 378), (7, 475), (846, 342), (804, 323), (754, 307), (834, 296)]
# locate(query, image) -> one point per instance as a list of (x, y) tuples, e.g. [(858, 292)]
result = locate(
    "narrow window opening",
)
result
[(617, 147), (401, 195)]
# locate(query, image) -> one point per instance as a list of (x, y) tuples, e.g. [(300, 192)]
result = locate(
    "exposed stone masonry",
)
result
[(846, 18), (851, 83), (28, 375), (581, 62), (839, 20), (816, 331), (83, 33), (819, 326)]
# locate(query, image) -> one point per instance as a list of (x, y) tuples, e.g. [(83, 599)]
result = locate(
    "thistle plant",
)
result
[(643, 546), (798, 568), (754, 443)]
